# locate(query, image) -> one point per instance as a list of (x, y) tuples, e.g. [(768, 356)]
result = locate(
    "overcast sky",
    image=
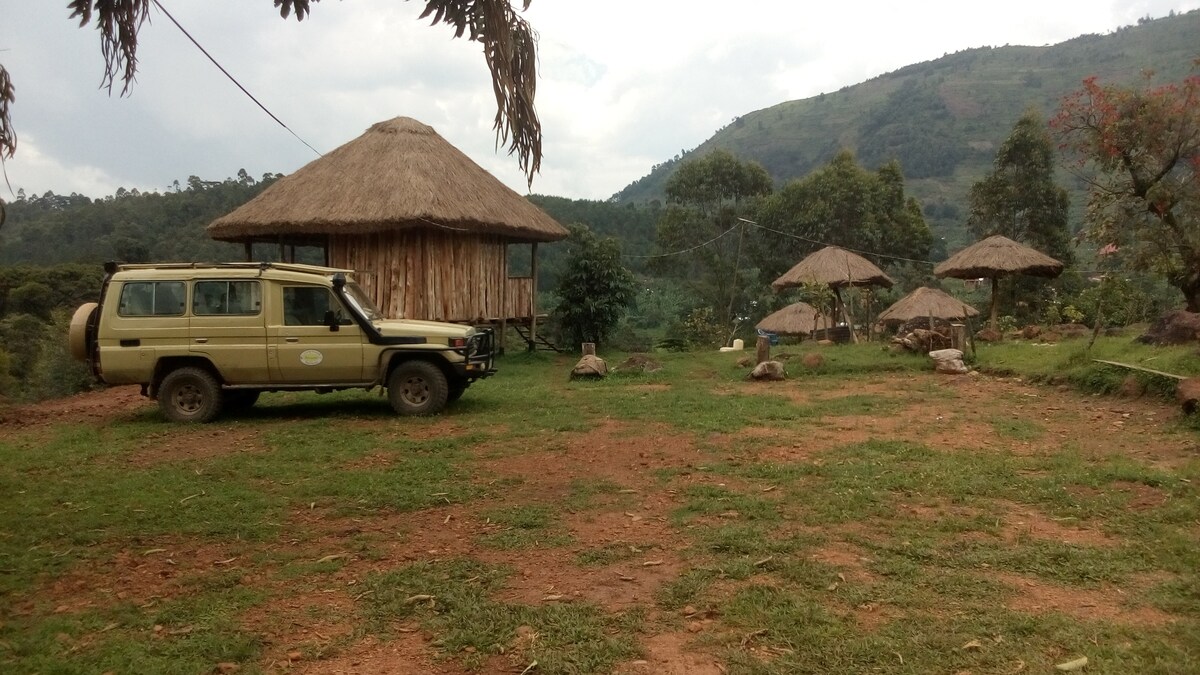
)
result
[(622, 85)]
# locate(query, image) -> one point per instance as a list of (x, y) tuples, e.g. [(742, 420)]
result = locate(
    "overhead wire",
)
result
[(232, 78)]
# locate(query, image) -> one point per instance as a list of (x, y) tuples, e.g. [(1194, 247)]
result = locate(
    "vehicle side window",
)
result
[(151, 298), (306, 306), (226, 298)]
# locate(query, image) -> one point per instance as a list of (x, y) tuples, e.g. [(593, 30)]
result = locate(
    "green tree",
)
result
[(842, 204), (1019, 198), (509, 47), (702, 239), (1140, 149), (594, 289)]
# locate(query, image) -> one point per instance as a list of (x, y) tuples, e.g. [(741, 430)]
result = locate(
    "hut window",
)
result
[(225, 298)]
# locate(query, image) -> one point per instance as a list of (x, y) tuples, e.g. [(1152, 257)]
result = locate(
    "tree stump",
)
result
[(763, 350)]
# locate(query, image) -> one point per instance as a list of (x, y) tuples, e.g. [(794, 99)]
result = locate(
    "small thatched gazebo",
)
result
[(837, 268), (427, 228), (995, 257), (927, 303), (798, 318)]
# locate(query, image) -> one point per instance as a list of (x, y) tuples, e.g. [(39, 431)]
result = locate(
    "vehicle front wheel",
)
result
[(457, 389), (417, 388), (190, 395)]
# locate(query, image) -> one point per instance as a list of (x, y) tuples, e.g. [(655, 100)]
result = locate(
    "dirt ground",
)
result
[(309, 630)]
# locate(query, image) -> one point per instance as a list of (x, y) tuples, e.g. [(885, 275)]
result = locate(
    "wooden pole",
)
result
[(995, 290), (533, 297), (589, 349), (762, 349), (249, 250)]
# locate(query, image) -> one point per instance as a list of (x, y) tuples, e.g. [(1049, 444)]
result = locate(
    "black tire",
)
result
[(240, 399), (457, 389), (190, 395), (417, 388)]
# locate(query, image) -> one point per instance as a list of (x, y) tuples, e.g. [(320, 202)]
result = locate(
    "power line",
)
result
[(686, 250), (232, 78), (821, 243)]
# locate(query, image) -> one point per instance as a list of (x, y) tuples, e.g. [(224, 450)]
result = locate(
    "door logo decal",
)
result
[(311, 357)]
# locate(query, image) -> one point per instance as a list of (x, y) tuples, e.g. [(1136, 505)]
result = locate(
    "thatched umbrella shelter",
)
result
[(428, 227), (927, 303), (798, 318), (837, 268), (995, 257)]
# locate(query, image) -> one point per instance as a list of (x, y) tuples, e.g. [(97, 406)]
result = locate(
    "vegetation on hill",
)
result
[(942, 119)]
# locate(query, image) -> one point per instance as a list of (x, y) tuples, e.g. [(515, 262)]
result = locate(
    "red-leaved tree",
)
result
[(1139, 150)]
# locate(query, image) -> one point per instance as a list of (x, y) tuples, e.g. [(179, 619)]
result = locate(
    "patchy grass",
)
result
[(793, 536)]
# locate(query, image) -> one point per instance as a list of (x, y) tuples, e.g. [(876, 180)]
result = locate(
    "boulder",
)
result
[(745, 362), (1173, 328), (770, 371), (948, 361), (1188, 394), (1030, 332), (590, 366), (989, 335)]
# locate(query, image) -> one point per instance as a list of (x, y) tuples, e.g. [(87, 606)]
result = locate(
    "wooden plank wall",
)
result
[(428, 274), (520, 291)]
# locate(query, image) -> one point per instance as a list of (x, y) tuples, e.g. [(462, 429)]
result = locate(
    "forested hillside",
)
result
[(943, 119)]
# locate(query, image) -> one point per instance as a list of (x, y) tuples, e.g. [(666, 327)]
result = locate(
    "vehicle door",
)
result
[(312, 338), (228, 327)]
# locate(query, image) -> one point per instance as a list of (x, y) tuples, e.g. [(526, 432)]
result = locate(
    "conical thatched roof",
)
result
[(836, 267), (926, 302), (998, 256), (399, 174), (799, 318)]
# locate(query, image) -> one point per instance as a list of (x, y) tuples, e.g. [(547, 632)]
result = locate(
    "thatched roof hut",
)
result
[(427, 228), (799, 318), (927, 302), (836, 267), (998, 256), (995, 257), (400, 174)]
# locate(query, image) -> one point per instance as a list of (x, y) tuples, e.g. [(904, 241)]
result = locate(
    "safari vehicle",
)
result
[(201, 338)]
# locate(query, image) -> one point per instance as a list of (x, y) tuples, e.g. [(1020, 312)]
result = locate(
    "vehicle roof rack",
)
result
[(287, 267)]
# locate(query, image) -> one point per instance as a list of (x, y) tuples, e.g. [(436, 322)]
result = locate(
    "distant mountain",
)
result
[(943, 119)]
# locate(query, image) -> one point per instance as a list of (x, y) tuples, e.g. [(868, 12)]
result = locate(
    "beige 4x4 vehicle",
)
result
[(202, 337)]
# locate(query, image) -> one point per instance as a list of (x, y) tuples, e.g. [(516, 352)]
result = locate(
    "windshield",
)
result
[(357, 297)]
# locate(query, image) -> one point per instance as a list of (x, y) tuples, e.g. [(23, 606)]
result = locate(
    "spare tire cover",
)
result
[(77, 338)]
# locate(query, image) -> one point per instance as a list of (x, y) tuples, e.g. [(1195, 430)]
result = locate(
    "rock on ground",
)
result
[(590, 366), (768, 371), (640, 362), (1173, 328), (948, 361)]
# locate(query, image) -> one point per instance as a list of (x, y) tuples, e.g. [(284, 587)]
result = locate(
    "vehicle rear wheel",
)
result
[(190, 395), (240, 399), (417, 388)]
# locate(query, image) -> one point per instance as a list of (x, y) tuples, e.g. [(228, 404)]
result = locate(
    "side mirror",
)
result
[(331, 320)]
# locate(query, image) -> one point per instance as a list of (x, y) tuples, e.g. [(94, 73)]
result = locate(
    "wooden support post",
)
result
[(533, 272), (958, 337), (589, 349), (762, 350), (249, 251)]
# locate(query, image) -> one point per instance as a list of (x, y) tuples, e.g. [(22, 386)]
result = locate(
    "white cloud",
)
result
[(623, 85)]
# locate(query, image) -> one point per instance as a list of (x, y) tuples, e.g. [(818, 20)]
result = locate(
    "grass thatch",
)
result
[(799, 318), (998, 256), (399, 174), (836, 267), (925, 302)]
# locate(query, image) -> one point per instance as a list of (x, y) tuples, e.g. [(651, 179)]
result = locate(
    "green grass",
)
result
[(452, 600), (821, 555)]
